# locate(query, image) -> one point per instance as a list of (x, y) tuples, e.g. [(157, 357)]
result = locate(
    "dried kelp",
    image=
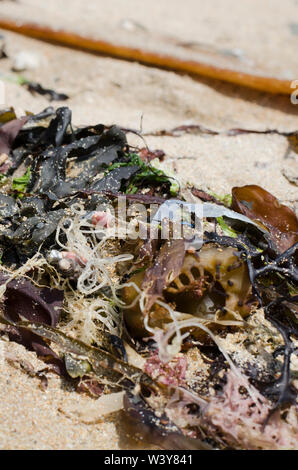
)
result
[(52, 95)]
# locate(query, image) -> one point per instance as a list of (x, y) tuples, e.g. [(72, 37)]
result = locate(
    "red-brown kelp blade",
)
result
[(261, 206)]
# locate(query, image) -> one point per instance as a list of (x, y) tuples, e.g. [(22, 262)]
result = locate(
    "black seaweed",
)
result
[(281, 390), (52, 95)]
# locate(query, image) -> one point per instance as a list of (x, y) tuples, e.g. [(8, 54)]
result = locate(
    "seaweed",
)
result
[(166, 267), (20, 184), (197, 129), (8, 134), (282, 389), (178, 294), (106, 368), (52, 95), (258, 204), (144, 175), (158, 430), (24, 300), (8, 206)]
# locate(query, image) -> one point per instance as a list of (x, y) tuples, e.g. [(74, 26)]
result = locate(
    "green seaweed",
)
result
[(225, 228), (20, 184)]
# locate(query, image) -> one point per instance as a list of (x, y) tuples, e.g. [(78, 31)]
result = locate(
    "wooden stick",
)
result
[(65, 38)]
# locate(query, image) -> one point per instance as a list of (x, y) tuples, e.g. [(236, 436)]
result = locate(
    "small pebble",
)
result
[(26, 60)]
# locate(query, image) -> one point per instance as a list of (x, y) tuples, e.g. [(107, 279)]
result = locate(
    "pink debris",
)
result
[(91, 386), (171, 373), (74, 257), (101, 218), (147, 155), (242, 422), (5, 166)]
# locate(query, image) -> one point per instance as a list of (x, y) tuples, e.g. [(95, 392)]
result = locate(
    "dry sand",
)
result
[(112, 91), (250, 36)]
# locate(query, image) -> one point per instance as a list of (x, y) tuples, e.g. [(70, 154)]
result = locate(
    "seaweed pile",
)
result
[(196, 332)]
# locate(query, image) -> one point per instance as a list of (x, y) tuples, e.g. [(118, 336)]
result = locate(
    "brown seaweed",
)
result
[(8, 134), (158, 430), (259, 205), (105, 366), (24, 300), (166, 268)]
